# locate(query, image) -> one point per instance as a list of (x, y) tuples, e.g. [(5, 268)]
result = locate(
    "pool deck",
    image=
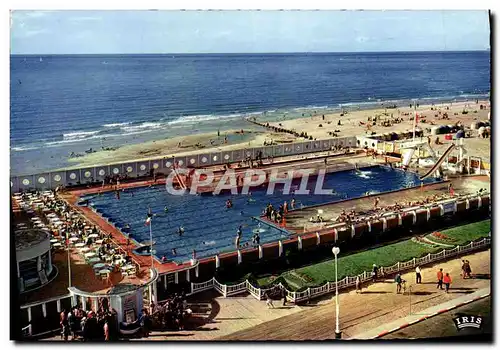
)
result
[(297, 219), (337, 163)]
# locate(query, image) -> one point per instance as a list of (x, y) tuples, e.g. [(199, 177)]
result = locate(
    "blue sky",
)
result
[(87, 32)]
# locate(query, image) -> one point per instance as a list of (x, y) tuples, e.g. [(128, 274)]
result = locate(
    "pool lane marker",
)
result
[(429, 316)]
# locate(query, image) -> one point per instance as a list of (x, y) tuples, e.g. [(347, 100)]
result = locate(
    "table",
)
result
[(85, 249), (90, 255), (104, 271), (99, 265), (93, 235), (79, 245), (58, 244), (74, 239), (94, 260), (54, 240), (99, 241)]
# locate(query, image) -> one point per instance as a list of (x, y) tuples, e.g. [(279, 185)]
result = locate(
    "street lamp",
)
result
[(338, 335)]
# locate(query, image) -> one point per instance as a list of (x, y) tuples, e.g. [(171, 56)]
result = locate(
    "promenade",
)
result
[(361, 315)]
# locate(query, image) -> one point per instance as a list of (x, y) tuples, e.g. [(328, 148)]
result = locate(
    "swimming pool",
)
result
[(210, 227)]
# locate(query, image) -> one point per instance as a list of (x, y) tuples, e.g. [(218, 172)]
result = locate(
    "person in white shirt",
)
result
[(418, 275)]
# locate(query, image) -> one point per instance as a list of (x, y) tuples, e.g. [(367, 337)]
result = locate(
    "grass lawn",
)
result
[(355, 264), (464, 234)]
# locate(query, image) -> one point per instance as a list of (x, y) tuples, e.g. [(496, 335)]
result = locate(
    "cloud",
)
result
[(35, 14), (362, 39), (84, 19), (34, 32)]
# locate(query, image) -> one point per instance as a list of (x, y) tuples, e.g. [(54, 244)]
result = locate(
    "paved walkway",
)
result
[(377, 305), (423, 315), (245, 318)]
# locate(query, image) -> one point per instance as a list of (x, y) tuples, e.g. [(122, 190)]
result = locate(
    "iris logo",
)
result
[(468, 321)]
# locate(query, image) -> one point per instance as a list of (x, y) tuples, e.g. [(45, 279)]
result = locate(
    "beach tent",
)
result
[(460, 134)]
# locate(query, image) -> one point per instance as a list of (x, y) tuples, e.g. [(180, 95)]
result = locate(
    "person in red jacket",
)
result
[(440, 279), (447, 281)]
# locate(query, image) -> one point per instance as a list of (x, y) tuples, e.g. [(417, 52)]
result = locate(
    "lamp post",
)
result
[(338, 334)]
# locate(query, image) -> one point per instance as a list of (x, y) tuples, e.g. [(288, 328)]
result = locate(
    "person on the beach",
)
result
[(440, 279), (358, 285), (377, 200), (447, 282)]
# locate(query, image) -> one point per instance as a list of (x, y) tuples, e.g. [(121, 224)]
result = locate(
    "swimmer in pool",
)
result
[(180, 231), (250, 199)]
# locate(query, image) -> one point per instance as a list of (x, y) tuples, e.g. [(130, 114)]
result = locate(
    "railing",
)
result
[(199, 287), (329, 287), (221, 288), (135, 169), (236, 289)]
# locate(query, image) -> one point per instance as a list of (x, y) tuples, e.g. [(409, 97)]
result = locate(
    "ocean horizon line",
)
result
[(299, 53)]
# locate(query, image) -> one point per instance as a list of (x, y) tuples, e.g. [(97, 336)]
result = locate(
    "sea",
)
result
[(69, 103)]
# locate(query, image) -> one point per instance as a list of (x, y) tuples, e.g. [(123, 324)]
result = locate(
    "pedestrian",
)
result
[(374, 273), (64, 325), (269, 302), (440, 279), (447, 281), (468, 270), (106, 331), (398, 280), (418, 275), (463, 269), (358, 285), (283, 294)]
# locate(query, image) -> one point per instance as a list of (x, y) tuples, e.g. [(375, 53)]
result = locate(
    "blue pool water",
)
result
[(211, 228)]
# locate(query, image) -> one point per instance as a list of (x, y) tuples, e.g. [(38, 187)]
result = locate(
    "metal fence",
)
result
[(95, 174), (349, 281)]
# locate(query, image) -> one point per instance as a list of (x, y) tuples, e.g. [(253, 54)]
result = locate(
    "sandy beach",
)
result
[(317, 125)]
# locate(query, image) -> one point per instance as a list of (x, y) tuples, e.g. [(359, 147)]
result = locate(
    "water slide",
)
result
[(438, 163), (407, 157)]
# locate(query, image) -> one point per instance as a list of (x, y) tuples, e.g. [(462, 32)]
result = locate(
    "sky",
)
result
[(115, 32)]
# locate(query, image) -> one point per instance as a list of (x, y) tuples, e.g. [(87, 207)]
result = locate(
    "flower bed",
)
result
[(422, 241)]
